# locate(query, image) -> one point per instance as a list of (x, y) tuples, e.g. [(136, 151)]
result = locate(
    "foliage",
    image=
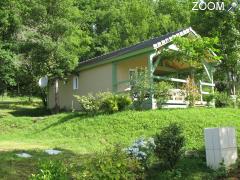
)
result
[(123, 101), (88, 104), (112, 165), (220, 173), (193, 51), (209, 98), (222, 99), (105, 102), (161, 91), (7, 69), (142, 87), (225, 26), (191, 90), (51, 170), (174, 174), (169, 143), (142, 150), (108, 102)]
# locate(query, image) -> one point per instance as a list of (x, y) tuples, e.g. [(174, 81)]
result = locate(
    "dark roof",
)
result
[(141, 45)]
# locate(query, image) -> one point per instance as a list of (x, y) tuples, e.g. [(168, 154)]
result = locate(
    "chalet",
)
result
[(112, 71)]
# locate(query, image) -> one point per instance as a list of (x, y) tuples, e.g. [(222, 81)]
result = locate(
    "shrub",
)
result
[(108, 102), (174, 174), (112, 165), (161, 91), (208, 98), (105, 102), (222, 99), (142, 150), (123, 101), (140, 87), (192, 93), (169, 144), (50, 171), (88, 104)]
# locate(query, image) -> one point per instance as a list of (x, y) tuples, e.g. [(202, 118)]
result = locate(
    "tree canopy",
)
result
[(50, 37)]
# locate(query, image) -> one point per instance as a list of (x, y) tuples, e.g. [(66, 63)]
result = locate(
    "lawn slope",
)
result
[(24, 127), (89, 134)]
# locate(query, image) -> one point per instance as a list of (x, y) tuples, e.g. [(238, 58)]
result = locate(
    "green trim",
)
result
[(157, 63), (119, 58), (114, 77)]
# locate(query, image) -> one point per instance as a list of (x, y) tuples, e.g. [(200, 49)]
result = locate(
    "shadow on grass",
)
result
[(24, 108), (31, 112), (65, 119), (13, 167), (70, 117)]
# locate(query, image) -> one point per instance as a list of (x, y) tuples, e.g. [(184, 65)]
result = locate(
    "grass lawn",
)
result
[(24, 127)]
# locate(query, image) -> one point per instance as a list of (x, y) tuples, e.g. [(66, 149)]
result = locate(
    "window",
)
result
[(75, 82), (131, 75)]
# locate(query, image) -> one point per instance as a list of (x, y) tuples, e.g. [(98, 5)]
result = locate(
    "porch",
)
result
[(164, 70)]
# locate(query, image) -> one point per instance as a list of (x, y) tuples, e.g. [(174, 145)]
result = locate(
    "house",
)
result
[(112, 71)]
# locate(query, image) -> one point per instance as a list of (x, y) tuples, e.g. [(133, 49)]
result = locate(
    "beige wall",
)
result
[(97, 79), (124, 66)]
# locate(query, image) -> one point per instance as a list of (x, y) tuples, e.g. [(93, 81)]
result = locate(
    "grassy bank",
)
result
[(25, 126)]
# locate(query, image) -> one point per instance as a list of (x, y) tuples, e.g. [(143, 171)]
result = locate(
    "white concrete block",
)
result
[(223, 135), (221, 146), (210, 157), (208, 140), (232, 138)]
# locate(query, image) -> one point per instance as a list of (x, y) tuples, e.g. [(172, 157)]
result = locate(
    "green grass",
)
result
[(26, 126)]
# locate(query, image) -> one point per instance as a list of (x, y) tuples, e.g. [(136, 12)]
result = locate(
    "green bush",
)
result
[(174, 174), (161, 91), (105, 102), (169, 143), (209, 98), (222, 99), (108, 102), (123, 102), (51, 171), (142, 87), (88, 104), (111, 165)]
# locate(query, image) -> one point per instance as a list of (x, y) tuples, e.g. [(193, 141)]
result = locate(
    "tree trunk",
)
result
[(44, 97)]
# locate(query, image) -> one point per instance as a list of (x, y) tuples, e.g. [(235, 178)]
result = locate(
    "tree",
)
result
[(114, 24), (225, 26), (51, 40), (9, 25), (7, 69)]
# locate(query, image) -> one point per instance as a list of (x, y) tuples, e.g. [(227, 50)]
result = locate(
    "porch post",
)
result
[(151, 71), (114, 77)]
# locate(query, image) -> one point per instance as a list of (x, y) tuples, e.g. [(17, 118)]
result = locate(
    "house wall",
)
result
[(97, 79), (123, 68), (51, 96)]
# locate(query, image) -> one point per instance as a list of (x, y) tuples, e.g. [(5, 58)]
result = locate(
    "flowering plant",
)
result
[(142, 149)]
